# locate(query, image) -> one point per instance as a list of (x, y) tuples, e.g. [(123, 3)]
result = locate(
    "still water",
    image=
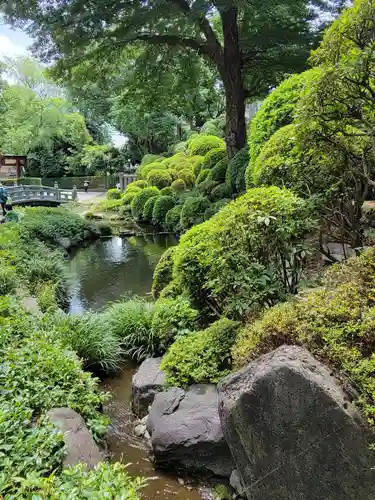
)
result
[(101, 273)]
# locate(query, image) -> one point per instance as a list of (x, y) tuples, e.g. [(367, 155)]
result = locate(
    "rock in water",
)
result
[(79, 443), (146, 383), (292, 432), (186, 433)]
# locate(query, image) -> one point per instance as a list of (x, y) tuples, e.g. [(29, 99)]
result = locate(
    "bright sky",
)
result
[(16, 43)]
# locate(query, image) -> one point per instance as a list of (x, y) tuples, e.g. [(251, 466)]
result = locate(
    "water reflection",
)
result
[(110, 268)]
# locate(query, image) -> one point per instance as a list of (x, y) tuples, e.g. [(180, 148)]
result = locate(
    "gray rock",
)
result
[(140, 430), (292, 432), (87, 235), (338, 251), (65, 243), (186, 433), (236, 483), (31, 304), (79, 443), (147, 381)]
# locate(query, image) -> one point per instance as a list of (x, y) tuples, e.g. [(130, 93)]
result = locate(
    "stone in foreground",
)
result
[(293, 433), (186, 433), (79, 443), (146, 383)]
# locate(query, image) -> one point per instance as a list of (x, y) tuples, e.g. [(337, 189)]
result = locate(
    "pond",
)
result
[(104, 272)]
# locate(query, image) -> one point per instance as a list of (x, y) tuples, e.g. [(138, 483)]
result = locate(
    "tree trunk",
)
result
[(231, 72)]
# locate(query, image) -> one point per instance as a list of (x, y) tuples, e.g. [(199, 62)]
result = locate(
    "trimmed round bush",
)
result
[(202, 176), (201, 357), (173, 318), (196, 163), (172, 219), (192, 212), (179, 147), (140, 199), (159, 178), (214, 156), (167, 191), (148, 208), (235, 177), (202, 144), (206, 187), (151, 158), (144, 170), (176, 160), (141, 183), (173, 173), (162, 205), (178, 186), (219, 171), (219, 192), (131, 188), (215, 207), (113, 194), (163, 272), (188, 177), (128, 197)]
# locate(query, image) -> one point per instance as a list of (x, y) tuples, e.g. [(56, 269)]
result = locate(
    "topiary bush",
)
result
[(214, 156), (188, 177), (144, 170), (192, 211), (172, 219), (139, 201), (205, 188), (178, 186), (202, 176), (276, 112), (150, 158), (201, 357), (219, 171), (235, 177), (172, 319), (233, 263), (141, 183), (113, 194), (219, 192), (159, 178), (196, 163), (162, 205), (163, 272), (202, 144), (215, 207), (128, 197), (148, 208), (167, 191)]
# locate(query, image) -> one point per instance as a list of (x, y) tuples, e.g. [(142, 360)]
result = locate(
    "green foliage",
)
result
[(201, 357), (237, 166), (214, 156), (202, 144), (178, 186), (196, 163), (8, 279), (334, 322), (47, 297), (276, 111), (163, 271), (159, 178), (140, 199), (162, 205), (108, 206), (149, 207), (114, 194), (234, 263), (172, 319), (205, 188), (141, 183), (150, 158), (131, 322), (144, 170), (172, 219), (192, 211), (129, 196), (188, 177), (167, 191), (219, 192), (219, 171), (215, 207), (202, 176)]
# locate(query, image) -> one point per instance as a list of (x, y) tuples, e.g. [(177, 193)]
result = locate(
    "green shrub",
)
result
[(196, 163), (233, 263), (141, 183), (179, 147), (178, 186), (140, 199), (47, 297), (215, 207), (202, 176), (133, 188), (205, 188), (163, 271), (108, 206), (276, 112), (188, 177), (8, 279), (159, 178), (173, 173), (202, 144), (144, 170), (171, 291), (237, 166), (149, 207), (131, 322), (113, 194), (173, 318), (219, 192), (150, 158), (127, 198), (162, 205), (219, 171), (172, 219), (192, 211), (201, 357), (214, 156), (167, 191)]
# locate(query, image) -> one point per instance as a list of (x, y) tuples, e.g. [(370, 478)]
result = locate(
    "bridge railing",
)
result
[(25, 194)]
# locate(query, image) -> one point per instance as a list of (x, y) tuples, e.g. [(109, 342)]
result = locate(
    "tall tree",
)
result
[(253, 45)]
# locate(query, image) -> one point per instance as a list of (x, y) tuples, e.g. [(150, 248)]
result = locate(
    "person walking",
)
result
[(3, 198), (86, 185)]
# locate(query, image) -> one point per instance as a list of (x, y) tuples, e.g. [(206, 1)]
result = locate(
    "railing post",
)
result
[(74, 194), (57, 191)]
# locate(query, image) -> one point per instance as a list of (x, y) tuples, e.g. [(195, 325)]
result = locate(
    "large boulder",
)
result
[(186, 433), (80, 446), (293, 432), (146, 383)]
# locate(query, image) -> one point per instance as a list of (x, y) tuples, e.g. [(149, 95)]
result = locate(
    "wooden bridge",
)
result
[(41, 195)]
